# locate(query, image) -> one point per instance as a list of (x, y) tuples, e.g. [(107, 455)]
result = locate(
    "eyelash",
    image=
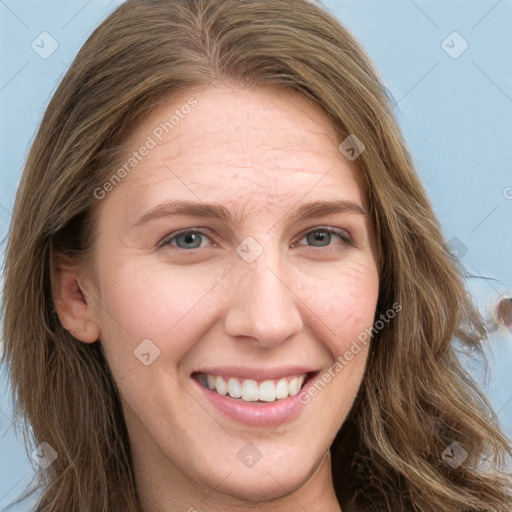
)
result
[(332, 231)]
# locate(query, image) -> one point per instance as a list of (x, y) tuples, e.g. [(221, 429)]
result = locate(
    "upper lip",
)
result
[(257, 373)]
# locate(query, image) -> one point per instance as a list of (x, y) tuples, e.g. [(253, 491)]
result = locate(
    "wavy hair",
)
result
[(416, 398)]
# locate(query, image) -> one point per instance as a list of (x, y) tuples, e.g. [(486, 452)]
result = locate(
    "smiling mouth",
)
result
[(250, 390)]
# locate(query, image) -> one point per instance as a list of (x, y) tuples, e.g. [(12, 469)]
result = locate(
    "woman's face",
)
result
[(258, 297)]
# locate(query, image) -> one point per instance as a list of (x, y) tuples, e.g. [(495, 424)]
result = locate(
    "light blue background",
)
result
[(455, 113)]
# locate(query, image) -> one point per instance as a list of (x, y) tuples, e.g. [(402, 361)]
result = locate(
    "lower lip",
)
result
[(258, 414)]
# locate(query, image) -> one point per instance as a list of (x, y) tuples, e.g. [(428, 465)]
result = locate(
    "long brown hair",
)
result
[(416, 398)]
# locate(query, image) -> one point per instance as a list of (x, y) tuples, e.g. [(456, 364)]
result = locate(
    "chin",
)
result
[(266, 483), (261, 488)]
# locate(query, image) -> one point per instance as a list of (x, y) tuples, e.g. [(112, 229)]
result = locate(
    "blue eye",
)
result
[(189, 235), (191, 238), (312, 236)]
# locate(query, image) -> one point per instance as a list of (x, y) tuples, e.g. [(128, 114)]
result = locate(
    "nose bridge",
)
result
[(263, 304)]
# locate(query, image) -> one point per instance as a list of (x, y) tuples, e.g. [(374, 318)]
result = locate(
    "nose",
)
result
[(263, 305)]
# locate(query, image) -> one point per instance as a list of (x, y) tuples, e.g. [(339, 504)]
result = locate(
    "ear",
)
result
[(75, 308)]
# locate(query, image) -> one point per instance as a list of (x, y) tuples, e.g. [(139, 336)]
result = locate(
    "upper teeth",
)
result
[(250, 390)]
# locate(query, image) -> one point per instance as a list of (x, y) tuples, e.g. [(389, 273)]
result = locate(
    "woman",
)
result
[(258, 367)]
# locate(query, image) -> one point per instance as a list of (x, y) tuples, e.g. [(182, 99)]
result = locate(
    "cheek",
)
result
[(141, 301), (345, 301), (346, 308)]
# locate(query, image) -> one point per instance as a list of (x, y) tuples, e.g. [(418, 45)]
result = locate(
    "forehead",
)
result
[(264, 145)]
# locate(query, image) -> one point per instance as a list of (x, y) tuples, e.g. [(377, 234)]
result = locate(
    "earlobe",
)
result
[(75, 309)]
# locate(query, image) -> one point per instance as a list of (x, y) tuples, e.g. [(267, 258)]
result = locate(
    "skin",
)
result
[(303, 300)]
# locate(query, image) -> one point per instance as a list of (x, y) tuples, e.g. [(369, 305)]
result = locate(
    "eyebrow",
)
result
[(220, 212)]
